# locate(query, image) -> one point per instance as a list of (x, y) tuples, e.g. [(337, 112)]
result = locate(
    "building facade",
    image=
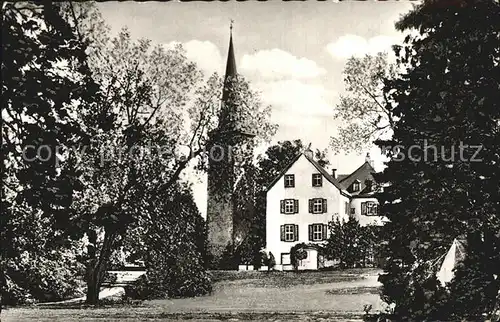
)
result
[(361, 186), (305, 198)]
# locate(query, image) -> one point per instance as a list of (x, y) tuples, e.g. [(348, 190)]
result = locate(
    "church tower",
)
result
[(221, 165)]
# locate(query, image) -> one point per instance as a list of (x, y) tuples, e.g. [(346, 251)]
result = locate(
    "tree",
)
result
[(45, 81), (363, 111), (169, 239), (447, 99), (351, 244), (151, 120)]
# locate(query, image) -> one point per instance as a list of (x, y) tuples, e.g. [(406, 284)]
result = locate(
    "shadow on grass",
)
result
[(354, 291), (291, 278)]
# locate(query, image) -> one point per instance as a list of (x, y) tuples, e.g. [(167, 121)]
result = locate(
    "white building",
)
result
[(304, 198)]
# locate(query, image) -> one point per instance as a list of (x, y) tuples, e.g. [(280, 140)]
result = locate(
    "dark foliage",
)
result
[(271, 262), (171, 242), (39, 104), (352, 245), (446, 98)]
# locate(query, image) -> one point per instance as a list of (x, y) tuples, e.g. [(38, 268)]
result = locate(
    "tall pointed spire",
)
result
[(230, 65), (228, 110)]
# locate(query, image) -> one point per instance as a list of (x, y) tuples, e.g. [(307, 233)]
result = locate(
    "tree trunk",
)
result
[(98, 269)]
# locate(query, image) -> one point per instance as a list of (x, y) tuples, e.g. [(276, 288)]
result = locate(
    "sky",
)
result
[(292, 52)]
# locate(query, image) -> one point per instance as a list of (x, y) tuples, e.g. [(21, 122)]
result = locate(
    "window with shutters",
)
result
[(369, 208), (317, 232), (317, 207), (289, 180), (289, 206), (317, 180), (289, 233)]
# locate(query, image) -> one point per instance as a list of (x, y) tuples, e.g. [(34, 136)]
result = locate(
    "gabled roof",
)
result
[(341, 177), (282, 173), (361, 174), (327, 176), (318, 167)]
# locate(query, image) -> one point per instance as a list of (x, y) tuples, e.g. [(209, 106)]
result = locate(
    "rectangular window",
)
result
[(346, 208), (318, 206), (285, 259), (353, 211), (289, 180), (355, 186), (317, 232), (317, 180), (289, 233), (369, 208), (289, 206)]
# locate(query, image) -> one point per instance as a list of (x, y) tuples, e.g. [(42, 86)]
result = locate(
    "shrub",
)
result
[(172, 275), (173, 248), (271, 262), (31, 279), (351, 244), (264, 258)]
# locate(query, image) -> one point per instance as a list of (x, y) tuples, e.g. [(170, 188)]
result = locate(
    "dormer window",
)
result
[(356, 186), (289, 180), (369, 185), (317, 180)]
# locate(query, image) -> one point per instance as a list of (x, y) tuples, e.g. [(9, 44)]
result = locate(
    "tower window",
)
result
[(317, 180), (289, 180)]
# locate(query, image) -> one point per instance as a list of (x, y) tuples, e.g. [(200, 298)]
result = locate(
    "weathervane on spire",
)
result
[(231, 26)]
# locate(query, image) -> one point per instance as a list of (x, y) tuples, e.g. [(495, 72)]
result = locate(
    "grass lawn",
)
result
[(243, 296)]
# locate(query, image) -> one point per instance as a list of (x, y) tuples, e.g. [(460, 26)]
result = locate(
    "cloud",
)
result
[(297, 97), (352, 45), (279, 64), (205, 54)]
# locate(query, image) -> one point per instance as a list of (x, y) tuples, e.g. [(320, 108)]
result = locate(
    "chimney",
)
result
[(369, 159), (309, 153), (333, 172)]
